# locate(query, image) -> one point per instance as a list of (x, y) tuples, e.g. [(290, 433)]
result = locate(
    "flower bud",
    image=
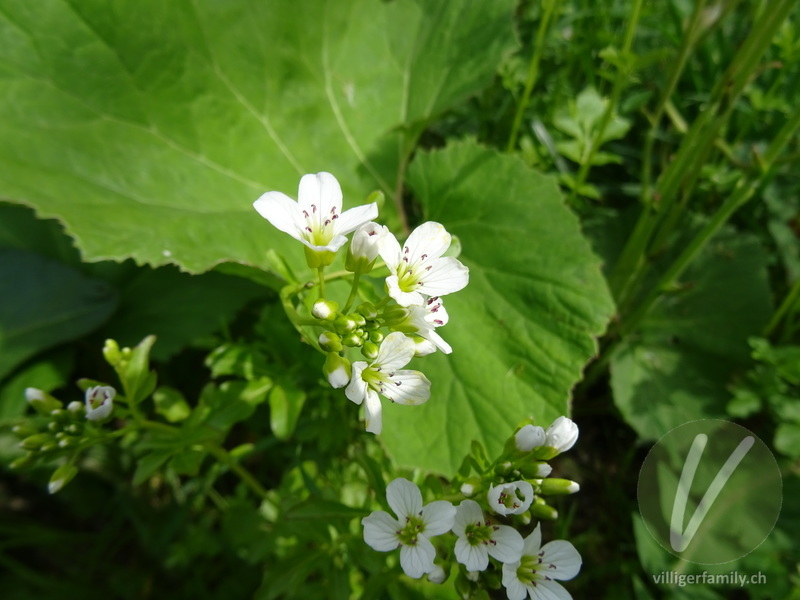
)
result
[(367, 310), (330, 341), (359, 319), (394, 315), (363, 248), (24, 430), (376, 337), (529, 437), (36, 441), (74, 406), (42, 402), (562, 434), (369, 350), (540, 510), (558, 487), (21, 462), (99, 402), (112, 353), (325, 310), (437, 575), (344, 324), (536, 470), (337, 370), (61, 477), (353, 339)]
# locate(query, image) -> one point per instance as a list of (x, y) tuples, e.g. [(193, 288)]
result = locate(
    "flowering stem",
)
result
[(353, 292), (321, 274)]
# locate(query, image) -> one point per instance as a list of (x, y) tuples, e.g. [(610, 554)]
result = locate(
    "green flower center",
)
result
[(479, 534), (529, 569), (411, 530), (512, 501)]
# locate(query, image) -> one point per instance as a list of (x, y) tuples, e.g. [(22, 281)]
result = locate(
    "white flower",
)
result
[(315, 219), (426, 318), (505, 499), (535, 572), (382, 376), (99, 402), (562, 434), (411, 530), (479, 538), (337, 369), (364, 246), (418, 268), (529, 437)]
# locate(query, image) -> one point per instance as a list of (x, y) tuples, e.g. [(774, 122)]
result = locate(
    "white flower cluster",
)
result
[(528, 567), (418, 276)]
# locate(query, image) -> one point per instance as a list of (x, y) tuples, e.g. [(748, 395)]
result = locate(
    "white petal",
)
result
[(447, 275), (423, 347), (282, 212), (436, 314), (407, 387), (438, 517), (395, 352), (430, 239), (417, 560), (475, 558), (515, 590), (529, 437), (352, 219), (467, 512), (380, 531), (561, 559), (373, 413), (562, 434), (320, 195), (357, 388), (401, 297), (404, 497), (533, 542), (548, 590), (390, 251), (508, 544)]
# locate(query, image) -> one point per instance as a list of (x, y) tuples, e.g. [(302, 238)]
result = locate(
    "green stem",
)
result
[(788, 303), (353, 292), (321, 274), (234, 466), (620, 80), (548, 7)]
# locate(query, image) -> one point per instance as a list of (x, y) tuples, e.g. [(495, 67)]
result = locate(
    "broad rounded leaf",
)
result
[(149, 128), (526, 324)]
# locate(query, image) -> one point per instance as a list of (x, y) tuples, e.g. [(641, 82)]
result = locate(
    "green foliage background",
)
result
[(134, 137)]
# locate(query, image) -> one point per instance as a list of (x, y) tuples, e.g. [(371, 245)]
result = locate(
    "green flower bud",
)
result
[(42, 402), (535, 470), (367, 310), (61, 477), (36, 441), (325, 310), (394, 315), (543, 511), (75, 406), (359, 319), (23, 431), (330, 341), (21, 462), (376, 336), (344, 324), (369, 350), (337, 370), (558, 487), (352, 339), (112, 353)]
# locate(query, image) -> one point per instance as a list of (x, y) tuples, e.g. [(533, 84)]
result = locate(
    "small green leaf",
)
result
[(188, 462), (148, 464), (787, 439), (285, 403), (171, 404)]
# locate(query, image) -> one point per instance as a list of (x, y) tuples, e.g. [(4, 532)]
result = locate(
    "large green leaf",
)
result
[(149, 127), (45, 303), (525, 325), (677, 366)]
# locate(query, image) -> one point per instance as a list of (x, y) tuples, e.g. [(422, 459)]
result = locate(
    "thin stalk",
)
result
[(548, 8), (321, 274), (740, 196), (353, 292), (245, 475), (619, 83), (696, 145), (788, 303)]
